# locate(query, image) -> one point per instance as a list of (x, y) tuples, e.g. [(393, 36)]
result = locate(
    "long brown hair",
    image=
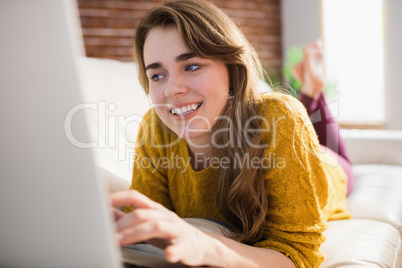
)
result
[(241, 194)]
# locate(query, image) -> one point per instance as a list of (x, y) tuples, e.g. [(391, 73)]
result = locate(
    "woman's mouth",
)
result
[(185, 110)]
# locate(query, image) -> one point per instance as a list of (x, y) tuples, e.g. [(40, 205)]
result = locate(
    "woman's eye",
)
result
[(156, 77), (192, 67)]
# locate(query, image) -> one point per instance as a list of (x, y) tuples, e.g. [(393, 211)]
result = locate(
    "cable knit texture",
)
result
[(306, 187)]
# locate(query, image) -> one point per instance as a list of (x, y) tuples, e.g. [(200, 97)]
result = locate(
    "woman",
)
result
[(213, 147)]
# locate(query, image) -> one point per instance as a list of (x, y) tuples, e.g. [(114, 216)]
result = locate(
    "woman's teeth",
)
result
[(186, 109)]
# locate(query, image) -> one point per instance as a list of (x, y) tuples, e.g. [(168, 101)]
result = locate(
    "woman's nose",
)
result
[(175, 86)]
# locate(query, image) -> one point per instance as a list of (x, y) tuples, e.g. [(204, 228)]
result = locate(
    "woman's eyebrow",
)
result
[(182, 57), (155, 65)]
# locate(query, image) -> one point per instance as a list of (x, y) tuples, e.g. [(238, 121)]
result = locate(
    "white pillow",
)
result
[(114, 105)]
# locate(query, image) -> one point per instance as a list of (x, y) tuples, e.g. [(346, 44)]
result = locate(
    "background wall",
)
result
[(109, 26), (301, 23)]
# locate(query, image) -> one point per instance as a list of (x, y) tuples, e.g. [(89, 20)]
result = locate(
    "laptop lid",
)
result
[(53, 210)]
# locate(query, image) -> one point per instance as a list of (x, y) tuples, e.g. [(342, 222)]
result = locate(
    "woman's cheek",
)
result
[(153, 95)]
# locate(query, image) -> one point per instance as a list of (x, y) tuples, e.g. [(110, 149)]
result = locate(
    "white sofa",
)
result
[(373, 238)]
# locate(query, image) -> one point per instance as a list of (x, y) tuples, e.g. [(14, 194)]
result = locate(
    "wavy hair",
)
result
[(241, 192)]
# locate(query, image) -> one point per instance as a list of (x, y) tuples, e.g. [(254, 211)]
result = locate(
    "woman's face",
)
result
[(188, 92)]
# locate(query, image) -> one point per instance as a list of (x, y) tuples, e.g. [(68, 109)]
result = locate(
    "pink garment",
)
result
[(328, 132)]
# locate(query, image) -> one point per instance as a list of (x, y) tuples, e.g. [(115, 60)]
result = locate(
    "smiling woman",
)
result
[(249, 161)]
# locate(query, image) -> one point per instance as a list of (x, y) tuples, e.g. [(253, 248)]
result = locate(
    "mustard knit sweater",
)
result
[(306, 187)]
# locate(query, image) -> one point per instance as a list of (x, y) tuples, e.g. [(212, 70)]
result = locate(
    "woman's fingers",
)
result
[(147, 231), (139, 215), (179, 252), (172, 253), (182, 250), (151, 222), (133, 198), (117, 214), (147, 221)]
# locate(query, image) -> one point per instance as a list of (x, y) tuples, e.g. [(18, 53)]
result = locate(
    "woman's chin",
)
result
[(192, 134)]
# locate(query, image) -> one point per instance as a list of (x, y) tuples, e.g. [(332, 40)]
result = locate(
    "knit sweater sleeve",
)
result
[(297, 184), (149, 176)]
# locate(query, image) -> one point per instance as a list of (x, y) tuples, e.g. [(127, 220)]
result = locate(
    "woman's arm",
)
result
[(183, 242), (262, 257)]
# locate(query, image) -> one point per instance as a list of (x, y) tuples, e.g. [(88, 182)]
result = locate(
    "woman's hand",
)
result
[(153, 223)]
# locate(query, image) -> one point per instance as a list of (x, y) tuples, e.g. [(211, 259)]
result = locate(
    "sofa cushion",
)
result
[(377, 194), (113, 182), (361, 243), (116, 104), (371, 146)]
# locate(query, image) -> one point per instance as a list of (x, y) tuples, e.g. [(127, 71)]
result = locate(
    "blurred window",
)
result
[(353, 38)]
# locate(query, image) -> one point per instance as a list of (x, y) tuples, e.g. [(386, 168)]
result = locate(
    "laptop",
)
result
[(54, 211)]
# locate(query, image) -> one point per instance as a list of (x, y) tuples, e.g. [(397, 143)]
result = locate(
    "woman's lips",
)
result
[(185, 112)]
